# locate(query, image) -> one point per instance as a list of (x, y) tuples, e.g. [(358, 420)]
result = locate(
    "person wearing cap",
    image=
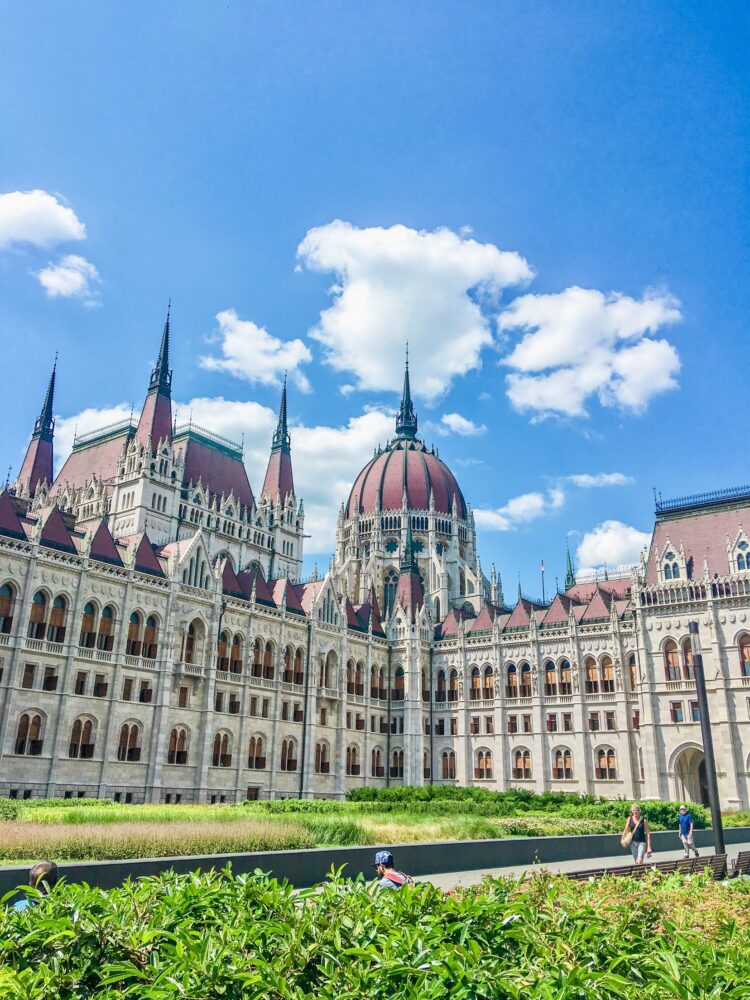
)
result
[(685, 827), (388, 877)]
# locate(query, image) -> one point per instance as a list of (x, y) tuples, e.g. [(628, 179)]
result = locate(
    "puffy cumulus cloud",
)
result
[(581, 343), (73, 277), (520, 510), (588, 480), (611, 544), (432, 289), (37, 217), (456, 424), (250, 352), (340, 451)]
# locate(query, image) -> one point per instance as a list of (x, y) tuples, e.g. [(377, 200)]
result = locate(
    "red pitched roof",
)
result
[(599, 605), (521, 614), (352, 619), (484, 620), (279, 479), (449, 626), (583, 592), (220, 472), (97, 459), (37, 464), (307, 592), (703, 536), (9, 521), (229, 582), (103, 547), (281, 589), (262, 593), (146, 560), (558, 611), (156, 419), (55, 533), (410, 593)]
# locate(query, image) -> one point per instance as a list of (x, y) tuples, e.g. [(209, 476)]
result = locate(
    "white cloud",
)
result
[(581, 343), (72, 277), (340, 451), (611, 544), (395, 285), (587, 480), (454, 422), (37, 217), (520, 510), (250, 352)]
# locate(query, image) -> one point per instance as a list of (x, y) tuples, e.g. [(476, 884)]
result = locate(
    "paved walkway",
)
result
[(447, 880)]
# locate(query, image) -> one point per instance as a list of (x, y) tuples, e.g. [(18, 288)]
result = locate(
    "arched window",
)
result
[(377, 769), (322, 758), (440, 693), (688, 663), (133, 646), (7, 604), (522, 765), (194, 641), (562, 764), (359, 679), (744, 644), (222, 755), (257, 658), (268, 661), (606, 764), (129, 744), (288, 755), (350, 676), (57, 616), (150, 639), (511, 681), (235, 654), (453, 686), (328, 669), (566, 679), (426, 768), (352, 760), (550, 679), (222, 652), (288, 665), (106, 637), (255, 758), (488, 691), (87, 638), (397, 764), (675, 571), (38, 616), (448, 765), (177, 750), (483, 765), (608, 675), (475, 689), (299, 669), (667, 571), (398, 685), (525, 680), (390, 587), (672, 661), (29, 736), (592, 676), (82, 739)]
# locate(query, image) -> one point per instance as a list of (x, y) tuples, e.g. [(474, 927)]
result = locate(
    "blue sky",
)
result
[(549, 199)]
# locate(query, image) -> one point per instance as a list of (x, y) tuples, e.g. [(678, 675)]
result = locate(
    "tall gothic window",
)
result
[(389, 590)]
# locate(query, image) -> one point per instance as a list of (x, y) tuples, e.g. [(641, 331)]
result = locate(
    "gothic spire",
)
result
[(570, 577), (408, 562), (406, 422), (45, 422), (281, 440), (161, 376)]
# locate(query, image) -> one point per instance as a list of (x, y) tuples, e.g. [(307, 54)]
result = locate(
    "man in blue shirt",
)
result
[(43, 877), (388, 877), (685, 824)]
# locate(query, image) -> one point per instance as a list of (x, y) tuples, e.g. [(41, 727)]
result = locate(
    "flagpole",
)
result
[(542, 581)]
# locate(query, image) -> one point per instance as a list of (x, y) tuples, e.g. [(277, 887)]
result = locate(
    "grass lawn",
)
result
[(97, 830)]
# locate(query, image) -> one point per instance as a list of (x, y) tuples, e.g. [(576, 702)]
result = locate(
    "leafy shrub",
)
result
[(211, 936), (8, 809)]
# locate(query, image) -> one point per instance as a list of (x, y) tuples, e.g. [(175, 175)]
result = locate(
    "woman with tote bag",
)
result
[(637, 835)]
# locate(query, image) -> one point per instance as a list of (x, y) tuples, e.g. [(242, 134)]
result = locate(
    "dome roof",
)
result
[(405, 465)]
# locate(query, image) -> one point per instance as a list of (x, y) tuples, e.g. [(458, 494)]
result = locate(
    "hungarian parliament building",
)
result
[(158, 642)]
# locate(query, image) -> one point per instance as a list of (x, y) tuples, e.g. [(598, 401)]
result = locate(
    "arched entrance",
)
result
[(690, 775)]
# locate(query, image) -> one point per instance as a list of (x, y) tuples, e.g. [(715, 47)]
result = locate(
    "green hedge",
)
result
[(214, 937)]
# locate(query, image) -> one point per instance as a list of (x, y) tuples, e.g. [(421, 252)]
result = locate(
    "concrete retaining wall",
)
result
[(305, 868)]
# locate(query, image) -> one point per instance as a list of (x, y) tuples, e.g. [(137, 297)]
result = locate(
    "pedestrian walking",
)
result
[(388, 877), (685, 828), (637, 835)]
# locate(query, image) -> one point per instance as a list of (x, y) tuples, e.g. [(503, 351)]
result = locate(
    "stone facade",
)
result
[(165, 650)]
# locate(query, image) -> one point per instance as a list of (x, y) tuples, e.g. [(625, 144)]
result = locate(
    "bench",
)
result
[(716, 863), (740, 865)]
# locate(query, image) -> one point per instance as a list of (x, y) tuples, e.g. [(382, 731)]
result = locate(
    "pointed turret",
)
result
[(410, 591), (570, 577), (406, 422), (155, 424), (37, 464), (279, 480)]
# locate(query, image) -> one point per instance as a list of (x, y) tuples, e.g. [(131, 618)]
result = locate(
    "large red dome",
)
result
[(405, 464)]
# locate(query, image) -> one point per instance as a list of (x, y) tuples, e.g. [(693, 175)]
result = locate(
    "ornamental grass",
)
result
[(215, 937)]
